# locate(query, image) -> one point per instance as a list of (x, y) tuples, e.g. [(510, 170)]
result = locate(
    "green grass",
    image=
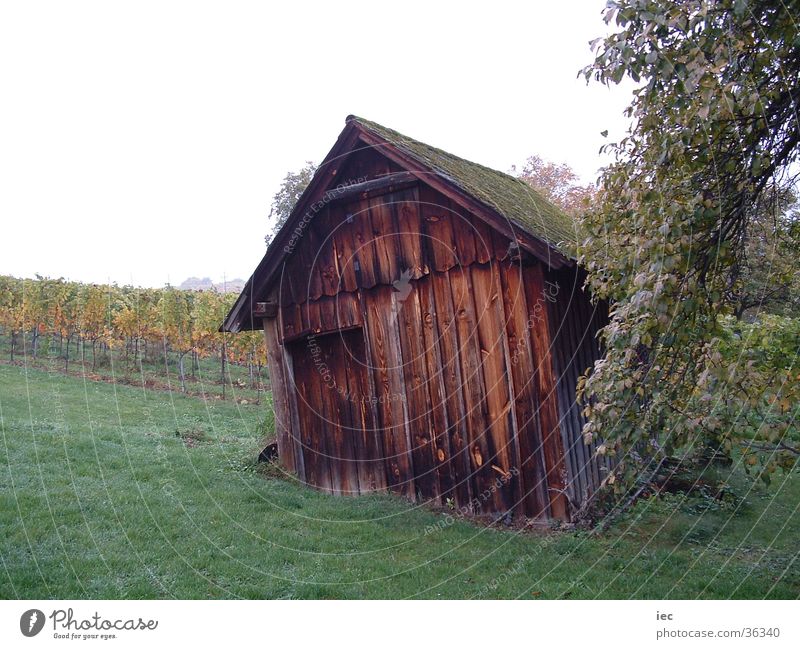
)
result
[(109, 491)]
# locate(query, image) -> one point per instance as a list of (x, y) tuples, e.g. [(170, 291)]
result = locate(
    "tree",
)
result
[(557, 182), (12, 315), (714, 130), (176, 307), (293, 185), (94, 317)]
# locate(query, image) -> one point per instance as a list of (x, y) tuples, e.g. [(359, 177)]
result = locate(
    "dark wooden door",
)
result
[(341, 447)]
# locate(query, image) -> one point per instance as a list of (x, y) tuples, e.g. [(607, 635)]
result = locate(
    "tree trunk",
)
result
[(180, 369), (66, 356), (222, 363)]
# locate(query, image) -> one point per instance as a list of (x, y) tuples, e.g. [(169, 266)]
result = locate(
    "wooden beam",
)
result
[(287, 445), (370, 188)]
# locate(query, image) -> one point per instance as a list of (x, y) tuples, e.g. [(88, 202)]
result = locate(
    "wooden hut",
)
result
[(426, 326)]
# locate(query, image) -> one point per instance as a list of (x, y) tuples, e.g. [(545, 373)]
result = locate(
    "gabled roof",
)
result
[(506, 203)]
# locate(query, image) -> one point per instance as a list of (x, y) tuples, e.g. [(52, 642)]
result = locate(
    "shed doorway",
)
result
[(340, 445)]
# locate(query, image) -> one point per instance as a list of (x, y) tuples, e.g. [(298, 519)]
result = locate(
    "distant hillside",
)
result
[(205, 284)]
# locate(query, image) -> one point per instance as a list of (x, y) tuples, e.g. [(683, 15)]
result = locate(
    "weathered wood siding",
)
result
[(416, 351), (574, 324)]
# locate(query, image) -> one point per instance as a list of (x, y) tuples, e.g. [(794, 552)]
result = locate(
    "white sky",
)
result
[(142, 142)]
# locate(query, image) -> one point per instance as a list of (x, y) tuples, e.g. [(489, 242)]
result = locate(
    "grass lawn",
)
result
[(112, 491)]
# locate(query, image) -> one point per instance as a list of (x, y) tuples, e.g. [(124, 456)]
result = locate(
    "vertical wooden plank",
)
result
[(386, 359), (344, 394), (312, 319), (484, 246), (327, 265), (418, 408), (477, 415), (513, 489), (405, 207), (296, 276), (280, 402), (311, 412), (491, 337), (374, 433), (367, 440), (305, 278), (548, 399), (347, 310), (503, 247), (438, 410), (292, 321), (343, 247), (328, 317), (328, 413), (438, 229), (385, 239), (364, 249), (313, 244), (450, 364), (284, 289), (532, 492), (463, 235)]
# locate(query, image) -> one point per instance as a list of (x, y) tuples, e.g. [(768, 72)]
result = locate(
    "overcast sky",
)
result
[(142, 142)]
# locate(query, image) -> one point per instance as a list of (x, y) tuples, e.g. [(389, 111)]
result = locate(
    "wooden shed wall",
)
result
[(464, 392), (574, 325)]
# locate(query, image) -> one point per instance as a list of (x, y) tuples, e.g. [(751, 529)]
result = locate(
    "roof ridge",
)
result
[(369, 123)]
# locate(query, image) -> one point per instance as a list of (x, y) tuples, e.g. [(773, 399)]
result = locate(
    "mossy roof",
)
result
[(508, 196)]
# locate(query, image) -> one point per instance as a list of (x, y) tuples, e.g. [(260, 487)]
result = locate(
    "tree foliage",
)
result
[(142, 322), (292, 186), (557, 182), (713, 139)]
